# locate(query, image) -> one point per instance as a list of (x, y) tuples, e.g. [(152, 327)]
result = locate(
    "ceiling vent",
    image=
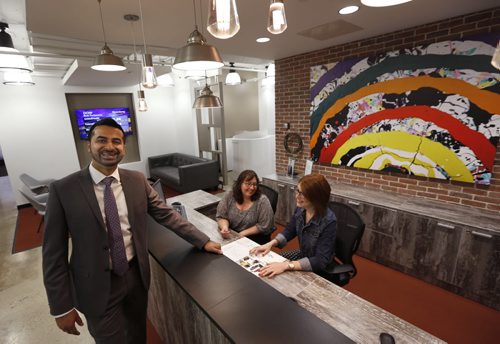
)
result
[(330, 30)]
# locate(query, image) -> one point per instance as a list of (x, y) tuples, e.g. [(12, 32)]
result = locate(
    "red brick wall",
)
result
[(293, 106)]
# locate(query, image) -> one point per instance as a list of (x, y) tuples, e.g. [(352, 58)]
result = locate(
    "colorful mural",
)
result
[(431, 111)]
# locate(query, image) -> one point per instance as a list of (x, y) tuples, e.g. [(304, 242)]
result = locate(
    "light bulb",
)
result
[(223, 21), (143, 106), (232, 78), (148, 73), (276, 22)]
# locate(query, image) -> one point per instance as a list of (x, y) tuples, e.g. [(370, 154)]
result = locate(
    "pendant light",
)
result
[(495, 60), (142, 106), (106, 61), (383, 3), (148, 79), (276, 21), (223, 21), (148, 71), (141, 98), (206, 99), (11, 61), (232, 78), (17, 78), (197, 54)]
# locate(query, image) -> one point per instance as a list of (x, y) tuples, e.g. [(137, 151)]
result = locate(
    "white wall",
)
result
[(36, 135), (266, 107)]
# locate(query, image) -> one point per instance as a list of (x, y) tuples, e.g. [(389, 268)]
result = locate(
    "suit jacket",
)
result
[(73, 213)]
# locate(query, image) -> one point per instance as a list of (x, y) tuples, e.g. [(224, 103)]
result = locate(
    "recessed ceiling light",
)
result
[(383, 3), (349, 9), (263, 39)]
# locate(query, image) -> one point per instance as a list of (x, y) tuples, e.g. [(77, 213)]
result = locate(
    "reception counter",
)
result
[(197, 297)]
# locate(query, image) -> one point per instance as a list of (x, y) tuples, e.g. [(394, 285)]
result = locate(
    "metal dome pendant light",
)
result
[(106, 61), (11, 61), (206, 99), (223, 21), (197, 54)]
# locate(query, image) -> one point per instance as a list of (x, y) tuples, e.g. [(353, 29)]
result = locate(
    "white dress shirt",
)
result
[(116, 187)]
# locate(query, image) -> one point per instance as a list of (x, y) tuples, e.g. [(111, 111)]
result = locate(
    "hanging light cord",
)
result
[(142, 26), (102, 23), (195, 21), (201, 15), (135, 52)]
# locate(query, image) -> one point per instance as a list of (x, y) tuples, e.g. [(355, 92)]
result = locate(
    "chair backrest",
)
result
[(271, 194), (158, 188), (38, 186), (29, 181), (39, 202), (350, 228)]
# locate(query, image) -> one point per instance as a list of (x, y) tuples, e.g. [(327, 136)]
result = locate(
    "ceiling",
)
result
[(72, 29)]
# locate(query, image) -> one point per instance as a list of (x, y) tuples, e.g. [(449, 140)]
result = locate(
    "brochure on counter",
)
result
[(238, 252)]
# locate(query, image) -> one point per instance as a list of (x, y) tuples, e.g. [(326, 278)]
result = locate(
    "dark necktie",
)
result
[(115, 236)]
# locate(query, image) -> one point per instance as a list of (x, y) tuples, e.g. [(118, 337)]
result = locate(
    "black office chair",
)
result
[(350, 228), (158, 188), (272, 195)]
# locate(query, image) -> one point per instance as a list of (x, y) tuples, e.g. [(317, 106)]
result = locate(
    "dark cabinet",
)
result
[(477, 272), (436, 250), (286, 200)]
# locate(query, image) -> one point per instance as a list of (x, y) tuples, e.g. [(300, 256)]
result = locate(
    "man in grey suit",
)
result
[(111, 292)]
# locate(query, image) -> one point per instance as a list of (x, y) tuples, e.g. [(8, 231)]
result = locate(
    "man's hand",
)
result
[(67, 322), (212, 246)]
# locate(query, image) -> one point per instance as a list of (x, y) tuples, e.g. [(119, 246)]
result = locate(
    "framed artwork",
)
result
[(431, 111)]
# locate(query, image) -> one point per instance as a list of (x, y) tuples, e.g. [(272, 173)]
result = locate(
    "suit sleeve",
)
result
[(56, 275), (171, 219)]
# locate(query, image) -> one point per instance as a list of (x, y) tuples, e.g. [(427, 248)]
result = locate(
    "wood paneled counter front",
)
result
[(197, 297)]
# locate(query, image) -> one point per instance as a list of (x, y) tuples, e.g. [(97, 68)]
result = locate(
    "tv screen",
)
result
[(85, 118)]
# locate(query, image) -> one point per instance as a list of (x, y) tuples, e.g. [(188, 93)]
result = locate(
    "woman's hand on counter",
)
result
[(213, 247), (262, 250), (225, 233), (273, 269)]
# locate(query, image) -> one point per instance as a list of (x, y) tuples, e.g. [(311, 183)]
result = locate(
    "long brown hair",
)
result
[(243, 177), (316, 189)]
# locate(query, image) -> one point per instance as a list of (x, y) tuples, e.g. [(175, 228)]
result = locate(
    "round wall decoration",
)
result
[(293, 143)]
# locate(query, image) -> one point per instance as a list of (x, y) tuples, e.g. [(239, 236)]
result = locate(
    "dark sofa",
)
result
[(184, 173)]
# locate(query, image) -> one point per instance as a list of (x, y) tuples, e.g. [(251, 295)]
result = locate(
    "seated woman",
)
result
[(314, 224), (246, 210)]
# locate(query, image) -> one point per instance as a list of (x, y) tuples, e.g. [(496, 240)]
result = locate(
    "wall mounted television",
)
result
[(85, 118)]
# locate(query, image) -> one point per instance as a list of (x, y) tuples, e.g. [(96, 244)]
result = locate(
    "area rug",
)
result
[(29, 230)]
